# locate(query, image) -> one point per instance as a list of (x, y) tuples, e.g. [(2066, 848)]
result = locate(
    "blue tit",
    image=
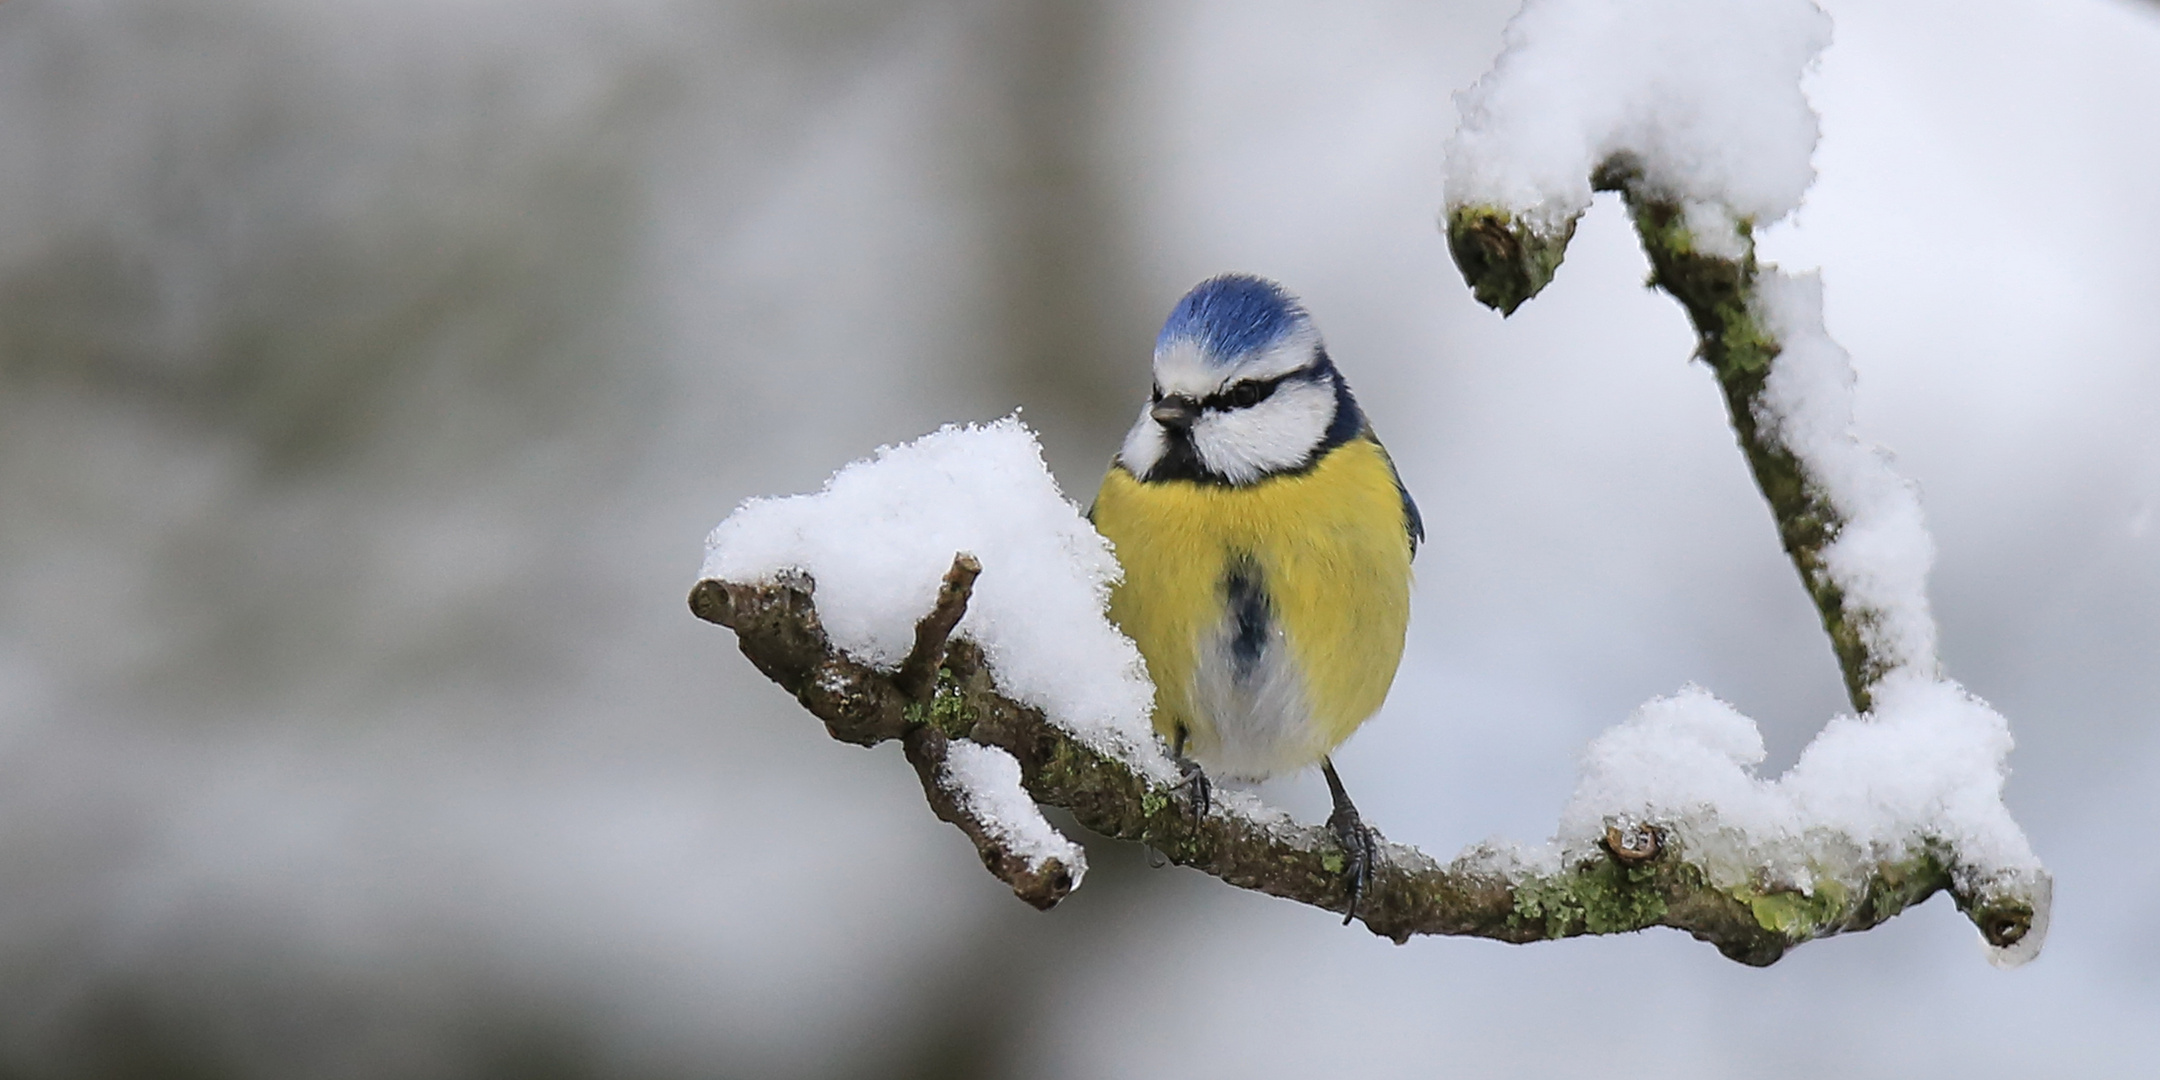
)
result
[(1266, 541)]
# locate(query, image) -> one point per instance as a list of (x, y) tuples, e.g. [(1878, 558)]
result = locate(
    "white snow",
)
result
[(1705, 93), (880, 536), (1714, 230), (1882, 554), (1928, 763), (985, 780)]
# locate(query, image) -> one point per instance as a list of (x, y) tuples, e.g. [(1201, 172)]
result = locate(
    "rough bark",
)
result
[(1506, 260), (1639, 878)]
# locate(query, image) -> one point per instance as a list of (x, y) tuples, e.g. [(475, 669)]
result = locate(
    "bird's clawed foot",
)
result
[(1192, 779), (1360, 853), (1192, 783)]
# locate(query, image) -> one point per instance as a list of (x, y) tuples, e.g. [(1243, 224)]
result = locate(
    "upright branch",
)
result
[(1717, 289), (1506, 260)]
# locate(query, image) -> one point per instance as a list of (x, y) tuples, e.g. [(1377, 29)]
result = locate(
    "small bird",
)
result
[(1266, 541)]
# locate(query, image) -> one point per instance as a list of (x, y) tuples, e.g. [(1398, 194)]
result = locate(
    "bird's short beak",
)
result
[(1176, 412)]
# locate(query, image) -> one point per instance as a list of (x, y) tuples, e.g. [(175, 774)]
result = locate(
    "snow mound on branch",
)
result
[(881, 535), (1705, 94), (1927, 764), (985, 780)]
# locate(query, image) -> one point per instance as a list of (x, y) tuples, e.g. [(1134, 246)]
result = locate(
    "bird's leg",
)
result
[(1192, 780), (1360, 853)]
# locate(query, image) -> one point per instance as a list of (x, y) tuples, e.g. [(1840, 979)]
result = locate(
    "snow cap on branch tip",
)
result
[(985, 781), (1704, 95)]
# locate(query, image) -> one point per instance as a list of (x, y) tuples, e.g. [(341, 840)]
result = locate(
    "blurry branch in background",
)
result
[(1636, 878)]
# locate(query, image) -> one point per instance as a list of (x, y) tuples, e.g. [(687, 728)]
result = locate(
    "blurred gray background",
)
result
[(370, 375)]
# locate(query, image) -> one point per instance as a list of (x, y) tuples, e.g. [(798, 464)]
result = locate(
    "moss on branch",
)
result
[(1505, 258), (1715, 284), (1644, 875)]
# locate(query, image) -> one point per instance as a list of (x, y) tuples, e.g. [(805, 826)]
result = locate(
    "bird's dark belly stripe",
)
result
[(1248, 602)]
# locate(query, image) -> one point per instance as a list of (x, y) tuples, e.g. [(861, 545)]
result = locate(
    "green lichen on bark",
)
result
[(1719, 295), (1484, 893), (1505, 262), (947, 709), (1798, 915), (1601, 896), (1506, 258)]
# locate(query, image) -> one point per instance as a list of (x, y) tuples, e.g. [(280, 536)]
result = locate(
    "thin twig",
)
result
[(918, 673)]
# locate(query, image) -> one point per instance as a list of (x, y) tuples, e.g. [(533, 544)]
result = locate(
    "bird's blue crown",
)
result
[(1232, 315)]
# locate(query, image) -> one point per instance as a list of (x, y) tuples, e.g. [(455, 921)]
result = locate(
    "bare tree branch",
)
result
[(918, 672)]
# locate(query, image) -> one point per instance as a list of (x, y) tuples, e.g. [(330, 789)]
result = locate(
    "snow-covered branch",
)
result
[(1692, 111), (1635, 874), (1851, 526)]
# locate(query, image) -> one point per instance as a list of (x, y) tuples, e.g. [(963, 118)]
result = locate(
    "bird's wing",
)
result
[(1413, 521)]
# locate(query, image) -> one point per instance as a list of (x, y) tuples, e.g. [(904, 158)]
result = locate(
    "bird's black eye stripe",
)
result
[(1244, 395)]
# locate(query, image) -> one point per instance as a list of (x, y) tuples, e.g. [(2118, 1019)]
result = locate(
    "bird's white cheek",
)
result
[(1243, 445)]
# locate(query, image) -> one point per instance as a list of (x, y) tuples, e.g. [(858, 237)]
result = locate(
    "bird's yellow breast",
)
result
[(1331, 546)]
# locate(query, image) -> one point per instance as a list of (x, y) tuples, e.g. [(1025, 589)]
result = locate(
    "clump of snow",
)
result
[(1704, 94), (881, 535), (985, 781), (1714, 230), (1882, 554), (1927, 764)]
